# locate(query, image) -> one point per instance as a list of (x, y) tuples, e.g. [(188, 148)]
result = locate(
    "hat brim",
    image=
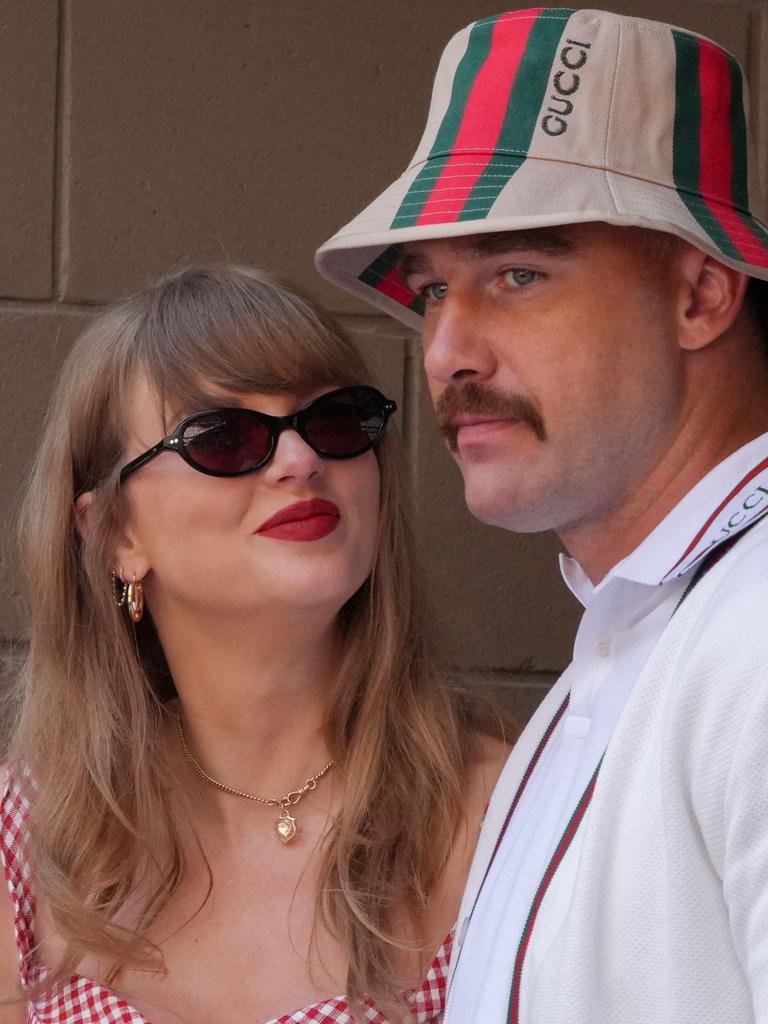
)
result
[(362, 258)]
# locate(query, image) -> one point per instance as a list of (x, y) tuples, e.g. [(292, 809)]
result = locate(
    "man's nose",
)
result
[(455, 343)]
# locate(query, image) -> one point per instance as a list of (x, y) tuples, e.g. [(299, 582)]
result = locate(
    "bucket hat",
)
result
[(557, 116)]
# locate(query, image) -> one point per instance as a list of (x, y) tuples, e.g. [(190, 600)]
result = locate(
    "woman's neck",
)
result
[(253, 702)]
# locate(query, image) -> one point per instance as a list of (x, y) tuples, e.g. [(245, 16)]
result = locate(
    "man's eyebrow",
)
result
[(413, 262), (548, 241), (544, 240)]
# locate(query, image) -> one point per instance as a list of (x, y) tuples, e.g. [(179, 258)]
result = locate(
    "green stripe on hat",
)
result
[(478, 48), (383, 275), (381, 266), (485, 192), (525, 100), (686, 158), (418, 194), (740, 139)]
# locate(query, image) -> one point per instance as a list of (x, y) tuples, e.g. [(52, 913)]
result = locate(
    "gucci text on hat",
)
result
[(553, 116)]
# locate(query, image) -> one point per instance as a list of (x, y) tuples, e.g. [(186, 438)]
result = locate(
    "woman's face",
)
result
[(205, 544)]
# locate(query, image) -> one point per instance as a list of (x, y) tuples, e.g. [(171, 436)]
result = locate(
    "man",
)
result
[(574, 241)]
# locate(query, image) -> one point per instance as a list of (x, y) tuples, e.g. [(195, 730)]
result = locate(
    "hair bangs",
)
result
[(205, 330)]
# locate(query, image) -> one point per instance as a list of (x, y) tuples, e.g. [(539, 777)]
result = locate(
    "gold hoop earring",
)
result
[(119, 588), (135, 600)]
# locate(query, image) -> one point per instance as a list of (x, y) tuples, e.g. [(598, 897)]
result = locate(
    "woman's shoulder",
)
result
[(486, 757), (489, 754)]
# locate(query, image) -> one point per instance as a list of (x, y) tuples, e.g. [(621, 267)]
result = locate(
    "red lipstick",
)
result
[(304, 520)]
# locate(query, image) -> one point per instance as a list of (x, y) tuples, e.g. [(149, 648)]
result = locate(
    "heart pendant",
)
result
[(285, 827)]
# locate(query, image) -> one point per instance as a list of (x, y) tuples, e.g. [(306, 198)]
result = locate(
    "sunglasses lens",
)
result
[(227, 443), (345, 423)]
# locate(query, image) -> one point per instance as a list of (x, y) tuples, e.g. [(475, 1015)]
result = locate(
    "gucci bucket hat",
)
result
[(557, 116)]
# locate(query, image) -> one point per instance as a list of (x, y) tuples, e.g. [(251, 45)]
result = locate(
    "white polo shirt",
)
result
[(624, 616)]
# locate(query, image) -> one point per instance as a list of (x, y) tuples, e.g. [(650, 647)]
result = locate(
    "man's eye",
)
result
[(435, 292), (519, 277)]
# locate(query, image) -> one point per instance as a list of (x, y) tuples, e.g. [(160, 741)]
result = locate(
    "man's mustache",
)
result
[(474, 398)]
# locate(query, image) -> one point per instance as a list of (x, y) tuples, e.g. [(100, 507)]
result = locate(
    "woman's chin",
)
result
[(308, 597)]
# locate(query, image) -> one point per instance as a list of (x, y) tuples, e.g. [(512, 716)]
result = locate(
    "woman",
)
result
[(234, 775)]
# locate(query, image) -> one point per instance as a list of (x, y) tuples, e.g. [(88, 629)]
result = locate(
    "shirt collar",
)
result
[(729, 498), (576, 579)]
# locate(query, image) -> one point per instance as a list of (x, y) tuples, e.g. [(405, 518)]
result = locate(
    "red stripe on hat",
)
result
[(716, 152), (392, 285), (715, 147), (483, 118), (749, 244)]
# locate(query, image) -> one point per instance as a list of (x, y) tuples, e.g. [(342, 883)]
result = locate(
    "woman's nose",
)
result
[(293, 459)]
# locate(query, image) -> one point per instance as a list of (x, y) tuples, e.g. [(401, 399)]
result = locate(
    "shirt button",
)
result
[(603, 646)]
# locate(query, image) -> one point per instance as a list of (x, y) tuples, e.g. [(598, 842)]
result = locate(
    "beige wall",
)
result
[(138, 134)]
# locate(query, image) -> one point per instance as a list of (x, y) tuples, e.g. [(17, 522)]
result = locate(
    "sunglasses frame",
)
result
[(276, 425)]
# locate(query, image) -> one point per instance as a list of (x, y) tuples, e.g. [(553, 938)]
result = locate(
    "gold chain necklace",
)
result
[(284, 826)]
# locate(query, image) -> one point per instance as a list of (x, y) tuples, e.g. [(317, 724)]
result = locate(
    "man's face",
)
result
[(553, 363)]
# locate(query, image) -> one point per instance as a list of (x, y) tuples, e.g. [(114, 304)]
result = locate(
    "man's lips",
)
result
[(475, 410), (471, 429), (303, 520), (468, 419)]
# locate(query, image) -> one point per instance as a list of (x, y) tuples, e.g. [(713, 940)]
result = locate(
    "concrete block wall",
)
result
[(143, 135)]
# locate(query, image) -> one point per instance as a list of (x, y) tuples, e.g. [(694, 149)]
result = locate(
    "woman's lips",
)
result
[(304, 520)]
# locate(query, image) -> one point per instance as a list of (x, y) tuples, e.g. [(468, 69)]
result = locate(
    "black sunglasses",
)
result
[(232, 442)]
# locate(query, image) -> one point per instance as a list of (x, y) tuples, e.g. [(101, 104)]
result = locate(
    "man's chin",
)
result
[(507, 511)]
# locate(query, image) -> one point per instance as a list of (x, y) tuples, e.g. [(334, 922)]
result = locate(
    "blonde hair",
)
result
[(93, 696)]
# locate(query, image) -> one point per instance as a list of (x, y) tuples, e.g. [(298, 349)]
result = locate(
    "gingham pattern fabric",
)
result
[(553, 116), (13, 816), (426, 1003), (82, 1001)]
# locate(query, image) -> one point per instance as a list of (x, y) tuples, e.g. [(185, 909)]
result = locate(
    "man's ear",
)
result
[(711, 298)]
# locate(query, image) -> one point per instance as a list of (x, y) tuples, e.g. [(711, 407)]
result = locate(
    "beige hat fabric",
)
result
[(555, 116)]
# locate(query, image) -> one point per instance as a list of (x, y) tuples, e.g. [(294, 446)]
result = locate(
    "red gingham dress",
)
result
[(82, 1001)]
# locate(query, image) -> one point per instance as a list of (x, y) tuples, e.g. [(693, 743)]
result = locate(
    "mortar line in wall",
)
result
[(535, 675), (508, 677), (14, 304), (62, 153)]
